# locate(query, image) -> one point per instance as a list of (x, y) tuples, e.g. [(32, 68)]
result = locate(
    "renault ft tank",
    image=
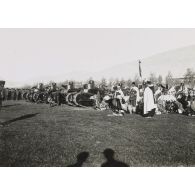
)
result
[(53, 95), (40, 94), (71, 90), (82, 97)]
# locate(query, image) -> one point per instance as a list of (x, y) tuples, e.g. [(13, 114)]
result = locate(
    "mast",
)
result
[(140, 70)]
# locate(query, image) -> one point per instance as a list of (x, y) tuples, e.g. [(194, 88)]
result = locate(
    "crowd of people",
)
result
[(149, 99), (145, 99)]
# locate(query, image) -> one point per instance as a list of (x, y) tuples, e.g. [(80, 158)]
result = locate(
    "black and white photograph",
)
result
[(97, 97)]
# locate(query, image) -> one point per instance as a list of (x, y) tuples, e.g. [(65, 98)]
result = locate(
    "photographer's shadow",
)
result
[(81, 158), (111, 162)]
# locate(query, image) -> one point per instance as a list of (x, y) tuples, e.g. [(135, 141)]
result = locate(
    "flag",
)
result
[(140, 70)]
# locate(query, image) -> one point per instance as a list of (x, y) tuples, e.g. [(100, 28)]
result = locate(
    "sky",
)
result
[(27, 54)]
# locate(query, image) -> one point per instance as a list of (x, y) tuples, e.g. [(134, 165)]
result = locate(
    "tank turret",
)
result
[(70, 85), (91, 84)]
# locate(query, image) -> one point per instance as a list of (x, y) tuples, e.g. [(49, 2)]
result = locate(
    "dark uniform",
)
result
[(5, 94), (2, 83)]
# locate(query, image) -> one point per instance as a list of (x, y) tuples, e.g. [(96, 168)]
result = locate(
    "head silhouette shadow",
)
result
[(111, 162), (81, 158), (18, 119), (10, 105)]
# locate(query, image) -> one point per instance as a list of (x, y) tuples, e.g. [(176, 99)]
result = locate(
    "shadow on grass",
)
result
[(111, 162), (18, 119), (7, 106), (109, 155), (81, 158)]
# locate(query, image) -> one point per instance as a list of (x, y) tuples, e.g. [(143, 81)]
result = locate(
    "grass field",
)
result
[(37, 135)]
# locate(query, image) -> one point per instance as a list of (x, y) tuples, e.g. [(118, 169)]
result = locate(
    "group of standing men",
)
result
[(134, 97), (149, 100)]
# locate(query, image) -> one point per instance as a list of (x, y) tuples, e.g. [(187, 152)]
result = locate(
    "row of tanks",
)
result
[(66, 94)]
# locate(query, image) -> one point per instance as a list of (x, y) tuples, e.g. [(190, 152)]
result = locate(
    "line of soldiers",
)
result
[(12, 94), (34, 94), (53, 95)]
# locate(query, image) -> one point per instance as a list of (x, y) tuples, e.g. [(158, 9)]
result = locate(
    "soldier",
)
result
[(134, 96), (16, 94), (54, 95), (13, 94), (19, 94), (119, 96), (9, 94), (5, 94), (40, 93), (2, 84)]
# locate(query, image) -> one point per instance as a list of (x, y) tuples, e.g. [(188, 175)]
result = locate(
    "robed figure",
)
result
[(149, 106)]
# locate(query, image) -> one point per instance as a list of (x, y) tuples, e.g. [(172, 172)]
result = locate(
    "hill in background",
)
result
[(176, 61)]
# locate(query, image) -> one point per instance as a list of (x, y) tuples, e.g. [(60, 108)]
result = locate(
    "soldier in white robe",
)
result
[(149, 106)]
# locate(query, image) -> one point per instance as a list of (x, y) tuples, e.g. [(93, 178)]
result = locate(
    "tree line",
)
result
[(188, 78)]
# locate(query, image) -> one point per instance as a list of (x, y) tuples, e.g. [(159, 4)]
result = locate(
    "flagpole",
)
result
[(140, 71)]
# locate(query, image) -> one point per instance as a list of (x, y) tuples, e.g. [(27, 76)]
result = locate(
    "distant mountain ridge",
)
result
[(176, 61)]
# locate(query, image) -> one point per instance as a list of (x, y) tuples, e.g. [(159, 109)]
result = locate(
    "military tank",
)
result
[(67, 93), (81, 97)]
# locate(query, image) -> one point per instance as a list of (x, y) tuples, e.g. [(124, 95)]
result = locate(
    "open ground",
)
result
[(37, 135)]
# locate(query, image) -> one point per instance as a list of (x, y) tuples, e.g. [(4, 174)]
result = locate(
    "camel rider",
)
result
[(119, 96), (2, 84)]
